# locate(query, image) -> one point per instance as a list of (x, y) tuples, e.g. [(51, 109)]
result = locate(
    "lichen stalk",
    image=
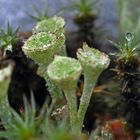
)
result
[(55, 92), (85, 99), (72, 105)]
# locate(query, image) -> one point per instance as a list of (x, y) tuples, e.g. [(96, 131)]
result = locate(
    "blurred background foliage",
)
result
[(107, 17)]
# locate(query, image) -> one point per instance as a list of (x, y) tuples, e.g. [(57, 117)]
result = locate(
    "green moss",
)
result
[(127, 51)]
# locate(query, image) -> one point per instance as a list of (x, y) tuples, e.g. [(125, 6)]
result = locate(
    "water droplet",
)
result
[(129, 36)]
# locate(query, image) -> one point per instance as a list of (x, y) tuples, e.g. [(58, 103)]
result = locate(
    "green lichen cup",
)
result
[(42, 47), (65, 72), (92, 60), (54, 25), (93, 63)]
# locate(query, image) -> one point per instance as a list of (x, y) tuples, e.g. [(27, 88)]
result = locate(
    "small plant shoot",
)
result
[(126, 51)]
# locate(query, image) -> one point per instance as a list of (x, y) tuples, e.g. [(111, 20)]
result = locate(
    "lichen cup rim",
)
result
[(63, 77), (25, 47), (43, 56), (86, 57), (63, 74)]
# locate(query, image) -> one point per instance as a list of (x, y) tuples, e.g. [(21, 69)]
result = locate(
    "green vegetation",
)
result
[(127, 50), (8, 37), (29, 126), (54, 25), (42, 47), (65, 73), (47, 40), (39, 15), (73, 80), (93, 63), (85, 9)]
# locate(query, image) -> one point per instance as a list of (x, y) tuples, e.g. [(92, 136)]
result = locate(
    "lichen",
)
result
[(42, 47), (90, 57), (40, 40), (93, 63), (53, 25), (64, 71)]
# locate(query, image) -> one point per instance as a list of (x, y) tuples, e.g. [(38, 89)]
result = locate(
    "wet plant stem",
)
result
[(89, 84), (72, 105)]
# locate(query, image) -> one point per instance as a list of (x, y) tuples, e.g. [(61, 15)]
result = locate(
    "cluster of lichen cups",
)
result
[(47, 40), (65, 71), (41, 48)]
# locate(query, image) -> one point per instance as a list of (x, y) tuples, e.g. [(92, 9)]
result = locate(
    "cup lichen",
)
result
[(93, 63), (65, 72), (42, 47), (48, 39), (54, 25)]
